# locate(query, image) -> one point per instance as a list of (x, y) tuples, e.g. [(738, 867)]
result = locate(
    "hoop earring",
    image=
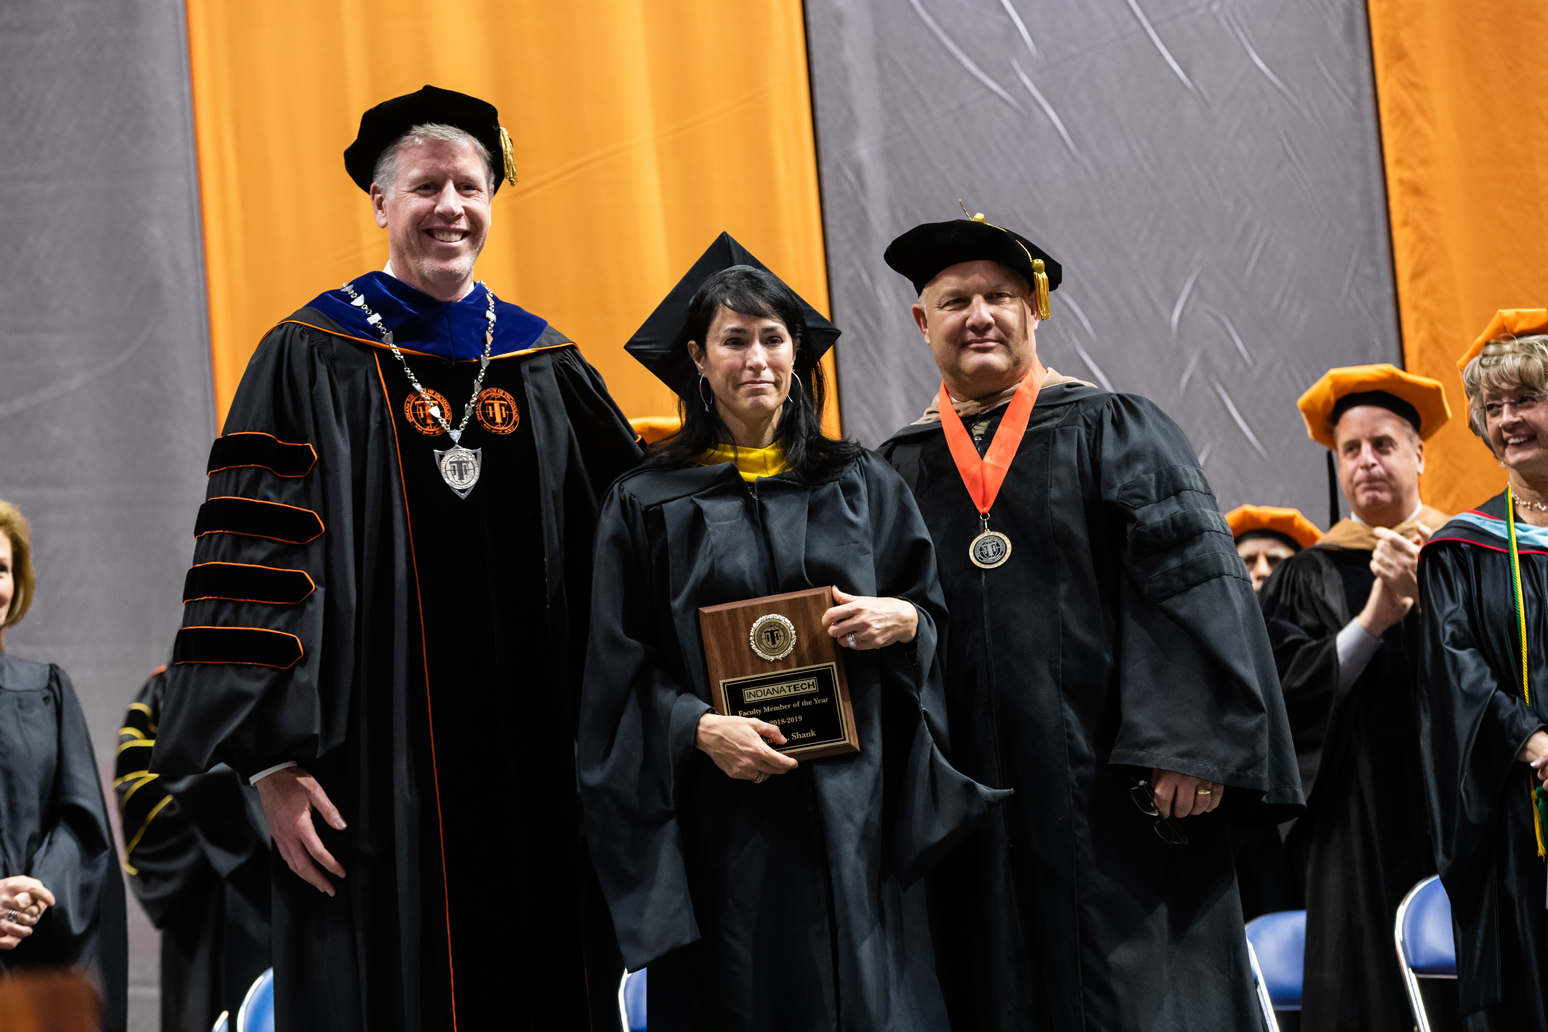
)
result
[(801, 387), (711, 402)]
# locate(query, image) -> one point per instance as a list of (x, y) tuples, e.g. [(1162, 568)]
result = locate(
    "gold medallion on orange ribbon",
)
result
[(984, 475)]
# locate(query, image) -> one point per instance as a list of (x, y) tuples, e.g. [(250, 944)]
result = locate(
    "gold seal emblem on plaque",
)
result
[(772, 637)]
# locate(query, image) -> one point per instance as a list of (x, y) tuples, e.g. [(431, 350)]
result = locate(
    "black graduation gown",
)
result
[(1473, 722), (54, 827), (792, 905), (427, 669), (1121, 634), (197, 853), (1363, 841)]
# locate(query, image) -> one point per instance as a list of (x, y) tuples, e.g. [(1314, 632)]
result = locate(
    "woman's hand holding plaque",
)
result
[(874, 622), (740, 746)]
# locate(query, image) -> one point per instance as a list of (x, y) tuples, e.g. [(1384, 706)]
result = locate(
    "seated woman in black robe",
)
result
[(764, 893), (61, 898), (1483, 675)]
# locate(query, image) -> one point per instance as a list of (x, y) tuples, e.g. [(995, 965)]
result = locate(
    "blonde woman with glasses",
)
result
[(1483, 581)]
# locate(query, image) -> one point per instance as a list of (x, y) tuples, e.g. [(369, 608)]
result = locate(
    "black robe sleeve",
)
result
[(638, 727), (274, 574), (1303, 604), (607, 441), (931, 806), (183, 835), (161, 851), (1196, 680)]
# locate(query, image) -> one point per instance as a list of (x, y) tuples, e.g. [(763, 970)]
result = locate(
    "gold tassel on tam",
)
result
[(508, 154), (1040, 286)]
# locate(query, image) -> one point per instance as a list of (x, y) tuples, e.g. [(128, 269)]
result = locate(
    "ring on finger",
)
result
[(761, 778), (1204, 791), (10, 915), (849, 640)]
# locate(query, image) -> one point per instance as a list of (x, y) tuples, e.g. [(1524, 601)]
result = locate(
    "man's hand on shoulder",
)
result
[(1182, 795), (289, 796)]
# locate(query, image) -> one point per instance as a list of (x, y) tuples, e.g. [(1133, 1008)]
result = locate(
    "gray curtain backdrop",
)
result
[(1209, 174), (105, 398)]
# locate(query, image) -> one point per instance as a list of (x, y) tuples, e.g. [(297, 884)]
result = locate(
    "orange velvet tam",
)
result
[(1244, 519), (653, 428), (1426, 396), (1507, 322)]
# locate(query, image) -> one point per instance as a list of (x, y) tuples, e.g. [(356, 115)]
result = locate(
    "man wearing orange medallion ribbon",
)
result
[(386, 618), (1107, 661)]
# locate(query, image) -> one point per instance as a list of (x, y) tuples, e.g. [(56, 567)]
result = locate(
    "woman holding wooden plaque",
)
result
[(761, 817)]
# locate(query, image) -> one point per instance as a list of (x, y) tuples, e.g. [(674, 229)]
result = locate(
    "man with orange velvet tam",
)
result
[(1267, 535), (386, 618), (1342, 618)]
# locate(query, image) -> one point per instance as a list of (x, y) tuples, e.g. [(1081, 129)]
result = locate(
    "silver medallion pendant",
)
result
[(989, 549), (459, 467)]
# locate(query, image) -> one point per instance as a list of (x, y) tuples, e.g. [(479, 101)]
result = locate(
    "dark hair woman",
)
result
[(61, 898), (762, 891)]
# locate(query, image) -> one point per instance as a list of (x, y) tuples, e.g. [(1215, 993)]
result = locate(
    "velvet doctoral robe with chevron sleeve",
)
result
[(417, 651)]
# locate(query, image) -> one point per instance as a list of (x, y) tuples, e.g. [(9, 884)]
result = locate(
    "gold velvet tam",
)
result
[(1507, 322), (1419, 399), (1246, 519)]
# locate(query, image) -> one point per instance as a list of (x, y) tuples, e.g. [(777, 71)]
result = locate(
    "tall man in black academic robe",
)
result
[(1345, 631), (1107, 660), (385, 621)]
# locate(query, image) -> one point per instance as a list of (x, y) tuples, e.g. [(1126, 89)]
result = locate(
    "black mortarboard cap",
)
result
[(661, 344), (381, 126), (922, 252)]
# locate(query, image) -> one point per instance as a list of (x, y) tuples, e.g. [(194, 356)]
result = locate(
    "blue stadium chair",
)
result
[(1425, 946), (257, 1011), (1279, 941), (1270, 1022), (631, 1000)]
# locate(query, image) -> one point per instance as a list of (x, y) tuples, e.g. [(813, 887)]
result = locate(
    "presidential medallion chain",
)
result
[(458, 466)]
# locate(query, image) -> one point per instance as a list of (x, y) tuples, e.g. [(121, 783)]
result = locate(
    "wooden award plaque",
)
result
[(771, 658)]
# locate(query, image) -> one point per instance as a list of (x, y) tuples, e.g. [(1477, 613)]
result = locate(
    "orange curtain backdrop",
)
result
[(1463, 94), (642, 129)]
